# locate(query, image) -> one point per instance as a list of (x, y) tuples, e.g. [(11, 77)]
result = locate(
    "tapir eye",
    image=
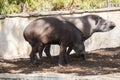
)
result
[(105, 24)]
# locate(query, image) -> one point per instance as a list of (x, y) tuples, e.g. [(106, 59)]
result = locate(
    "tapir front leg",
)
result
[(69, 50), (80, 50)]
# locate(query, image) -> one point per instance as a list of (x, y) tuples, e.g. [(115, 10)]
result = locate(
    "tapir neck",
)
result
[(87, 35), (86, 29)]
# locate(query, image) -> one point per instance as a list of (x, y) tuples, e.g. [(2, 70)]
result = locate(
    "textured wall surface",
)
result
[(13, 45)]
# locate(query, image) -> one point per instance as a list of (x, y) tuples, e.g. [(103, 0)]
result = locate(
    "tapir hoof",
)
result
[(63, 63), (35, 61), (83, 57)]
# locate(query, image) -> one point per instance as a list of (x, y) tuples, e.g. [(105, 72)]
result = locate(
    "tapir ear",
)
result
[(97, 21)]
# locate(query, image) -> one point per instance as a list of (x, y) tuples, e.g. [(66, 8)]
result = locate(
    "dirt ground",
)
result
[(102, 61)]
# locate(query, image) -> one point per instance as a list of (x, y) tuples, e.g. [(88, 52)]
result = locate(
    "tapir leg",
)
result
[(62, 55), (47, 51), (33, 56), (69, 50), (41, 50), (41, 47), (80, 50)]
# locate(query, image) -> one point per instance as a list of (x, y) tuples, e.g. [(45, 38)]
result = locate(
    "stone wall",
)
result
[(13, 45)]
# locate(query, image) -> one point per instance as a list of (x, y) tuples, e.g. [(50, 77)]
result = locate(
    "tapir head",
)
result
[(104, 25)]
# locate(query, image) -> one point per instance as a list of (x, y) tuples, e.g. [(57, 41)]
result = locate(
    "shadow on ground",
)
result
[(102, 61)]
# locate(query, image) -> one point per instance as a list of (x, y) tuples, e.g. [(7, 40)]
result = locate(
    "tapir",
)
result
[(51, 30), (87, 24)]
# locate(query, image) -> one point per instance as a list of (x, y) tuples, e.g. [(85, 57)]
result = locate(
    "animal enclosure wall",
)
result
[(13, 45)]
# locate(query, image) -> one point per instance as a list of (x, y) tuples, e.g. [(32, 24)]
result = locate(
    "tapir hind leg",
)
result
[(63, 55), (47, 51), (33, 57)]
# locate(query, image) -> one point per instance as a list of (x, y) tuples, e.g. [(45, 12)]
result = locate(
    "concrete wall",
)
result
[(13, 45)]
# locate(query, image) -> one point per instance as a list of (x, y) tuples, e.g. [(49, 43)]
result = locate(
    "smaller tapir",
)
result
[(51, 30)]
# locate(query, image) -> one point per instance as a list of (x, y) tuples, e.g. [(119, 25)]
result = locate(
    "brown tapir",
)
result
[(88, 25), (51, 30)]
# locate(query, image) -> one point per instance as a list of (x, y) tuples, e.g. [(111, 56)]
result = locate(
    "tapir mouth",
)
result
[(111, 27)]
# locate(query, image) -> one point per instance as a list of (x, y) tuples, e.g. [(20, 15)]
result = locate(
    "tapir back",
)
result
[(48, 30)]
